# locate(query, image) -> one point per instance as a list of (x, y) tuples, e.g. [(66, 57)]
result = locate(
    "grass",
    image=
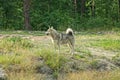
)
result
[(14, 44), (21, 57), (35, 33), (108, 44), (93, 75), (16, 55), (25, 76), (52, 59)]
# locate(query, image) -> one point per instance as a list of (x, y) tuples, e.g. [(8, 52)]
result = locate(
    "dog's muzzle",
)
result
[(46, 33)]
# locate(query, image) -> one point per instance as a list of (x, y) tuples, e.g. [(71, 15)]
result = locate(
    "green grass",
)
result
[(11, 59), (52, 59), (116, 59), (108, 44), (14, 44), (15, 53)]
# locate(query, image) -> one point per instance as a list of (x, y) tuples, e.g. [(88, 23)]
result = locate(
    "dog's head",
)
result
[(49, 31)]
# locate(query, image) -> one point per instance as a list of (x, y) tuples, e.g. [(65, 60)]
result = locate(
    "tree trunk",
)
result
[(119, 10), (119, 4), (93, 8), (75, 7), (82, 7), (26, 7), (75, 12)]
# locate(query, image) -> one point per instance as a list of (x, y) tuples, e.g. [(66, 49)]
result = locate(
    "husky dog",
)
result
[(62, 38)]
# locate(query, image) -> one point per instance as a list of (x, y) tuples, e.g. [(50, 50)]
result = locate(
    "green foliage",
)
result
[(11, 14), (60, 14), (97, 22), (94, 64), (55, 13)]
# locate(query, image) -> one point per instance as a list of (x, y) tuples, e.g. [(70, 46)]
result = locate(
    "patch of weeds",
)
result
[(7, 59), (56, 74), (12, 62), (11, 44), (77, 49), (94, 64), (82, 50), (116, 59), (79, 56), (108, 44), (83, 53), (22, 75), (20, 41), (52, 59), (18, 61)]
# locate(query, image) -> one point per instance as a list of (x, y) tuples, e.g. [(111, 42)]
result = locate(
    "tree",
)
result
[(26, 7), (93, 8), (38, 14), (75, 7), (119, 9), (83, 7)]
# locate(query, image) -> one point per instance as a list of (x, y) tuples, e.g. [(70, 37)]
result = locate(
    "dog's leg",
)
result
[(58, 46), (71, 49), (55, 47), (54, 44), (71, 45)]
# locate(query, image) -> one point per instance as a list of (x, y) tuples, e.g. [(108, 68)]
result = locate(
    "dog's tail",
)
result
[(69, 31)]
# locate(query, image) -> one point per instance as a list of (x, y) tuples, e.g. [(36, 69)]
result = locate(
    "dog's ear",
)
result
[(52, 27), (49, 27)]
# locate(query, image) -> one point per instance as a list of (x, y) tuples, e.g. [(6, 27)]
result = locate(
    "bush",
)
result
[(97, 23)]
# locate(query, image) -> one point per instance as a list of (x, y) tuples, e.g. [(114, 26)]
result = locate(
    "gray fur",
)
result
[(62, 38)]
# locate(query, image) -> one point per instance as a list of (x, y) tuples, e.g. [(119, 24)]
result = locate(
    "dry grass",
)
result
[(25, 76), (93, 75)]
